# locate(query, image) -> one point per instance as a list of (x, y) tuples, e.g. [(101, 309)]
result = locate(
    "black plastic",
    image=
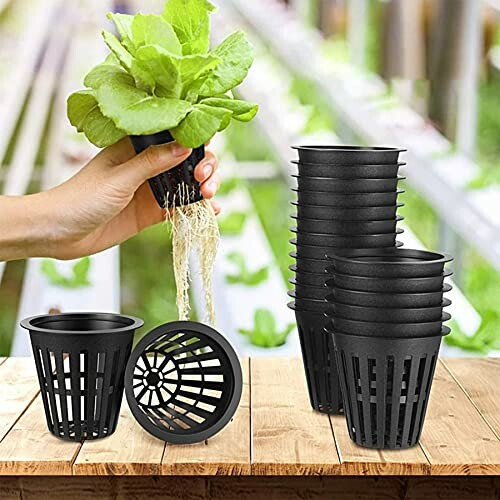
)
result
[(320, 365), (313, 305), (347, 200), (176, 186), (390, 300), (390, 263), (345, 226), (305, 278), (387, 314), (183, 382), (340, 213), (387, 285), (80, 360), (348, 155), (348, 171), (316, 292), (386, 385), (374, 329), (310, 265), (345, 186)]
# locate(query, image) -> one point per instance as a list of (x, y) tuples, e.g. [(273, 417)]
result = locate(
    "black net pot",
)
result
[(350, 200), (305, 278), (177, 186), (385, 384), (316, 292), (348, 171), (183, 382), (391, 263), (342, 213), (319, 360), (80, 362), (316, 266), (387, 285), (313, 305), (388, 314), (346, 227), (386, 300), (346, 186), (348, 155)]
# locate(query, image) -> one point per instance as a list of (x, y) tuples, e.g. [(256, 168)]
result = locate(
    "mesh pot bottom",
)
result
[(386, 384)]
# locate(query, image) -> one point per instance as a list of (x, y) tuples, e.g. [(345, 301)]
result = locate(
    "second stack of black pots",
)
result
[(346, 199), (386, 321)]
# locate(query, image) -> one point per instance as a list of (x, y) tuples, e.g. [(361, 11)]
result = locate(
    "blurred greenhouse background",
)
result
[(424, 75)]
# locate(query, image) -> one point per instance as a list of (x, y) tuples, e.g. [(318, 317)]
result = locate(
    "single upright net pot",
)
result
[(176, 186), (183, 382), (80, 361)]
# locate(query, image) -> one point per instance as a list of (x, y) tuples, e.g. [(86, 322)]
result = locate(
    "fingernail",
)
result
[(207, 170), (180, 150)]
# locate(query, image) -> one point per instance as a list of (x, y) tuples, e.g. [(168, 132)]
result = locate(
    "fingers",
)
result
[(216, 207), (210, 186), (206, 167)]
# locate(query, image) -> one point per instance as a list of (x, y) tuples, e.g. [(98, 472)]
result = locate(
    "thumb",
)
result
[(152, 161)]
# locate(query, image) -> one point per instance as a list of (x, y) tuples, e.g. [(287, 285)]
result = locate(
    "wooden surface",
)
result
[(273, 433)]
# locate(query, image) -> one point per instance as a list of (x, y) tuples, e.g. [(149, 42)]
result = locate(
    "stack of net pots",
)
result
[(346, 198), (386, 322)]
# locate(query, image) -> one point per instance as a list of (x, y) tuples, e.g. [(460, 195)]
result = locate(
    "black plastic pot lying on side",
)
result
[(348, 171), (80, 362), (176, 186), (386, 285), (345, 186), (315, 292), (305, 278), (346, 227), (319, 360), (340, 213), (386, 384), (317, 266), (348, 155), (347, 200)]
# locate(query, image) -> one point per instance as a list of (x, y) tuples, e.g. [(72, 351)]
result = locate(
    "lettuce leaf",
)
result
[(123, 23), (152, 29), (103, 73), (243, 111)]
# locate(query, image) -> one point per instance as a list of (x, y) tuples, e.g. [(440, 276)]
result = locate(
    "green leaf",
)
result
[(200, 125), (264, 332), (77, 279), (236, 54), (244, 276), (136, 111), (123, 23), (233, 223), (229, 185), (103, 73), (264, 321), (85, 115), (242, 110), (151, 29), (191, 22)]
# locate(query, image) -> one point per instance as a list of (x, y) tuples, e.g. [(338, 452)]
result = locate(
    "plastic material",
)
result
[(345, 226), (310, 265), (183, 382), (389, 300), (80, 361), (339, 213), (320, 366), (316, 292), (345, 186), (176, 186), (386, 385), (347, 200), (348, 155), (313, 305), (348, 171), (304, 278), (391, 263)]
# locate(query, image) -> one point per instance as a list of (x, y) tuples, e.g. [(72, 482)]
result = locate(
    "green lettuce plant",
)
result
[(78, 278), (244, 276), (161, 75), (233, 223), (265, 332)]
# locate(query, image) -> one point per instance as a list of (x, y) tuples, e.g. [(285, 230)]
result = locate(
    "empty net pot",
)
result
[(319, 360), (388, 314), (80, 361), (317, 292), (347, 200), (348, 171), (348, 155), (176, 186), (382, 299), (346, 227), (183, 382), (303, 264), (342, 213), (345, 186), (389, 285), (313, 305), (305, 278), (385, 384), (391, 263)]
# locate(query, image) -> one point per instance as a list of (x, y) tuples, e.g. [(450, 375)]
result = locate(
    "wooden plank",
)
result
[(480, 378), (289, 438), (18, 388), (29, 448), (227, 453), (356, 460), (129, 451), (455, 438)]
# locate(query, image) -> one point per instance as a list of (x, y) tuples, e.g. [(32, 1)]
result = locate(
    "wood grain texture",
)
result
[(289, 438), (455, 438), (480, 379), (129, 451), (29, 448), (18, 387), (227, 453)]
